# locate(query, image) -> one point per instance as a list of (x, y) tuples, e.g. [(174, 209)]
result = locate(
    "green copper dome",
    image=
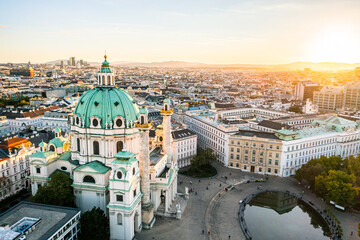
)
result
[(106, 103)]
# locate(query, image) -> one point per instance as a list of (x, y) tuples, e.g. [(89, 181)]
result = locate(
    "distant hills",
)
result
[(322, 66)]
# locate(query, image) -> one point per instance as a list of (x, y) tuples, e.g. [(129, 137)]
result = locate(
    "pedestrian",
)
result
[(199, 180), (220, 184), (352, 233), (209, 233), (203, 231), (229, 236), (207, 188), (191, 182)]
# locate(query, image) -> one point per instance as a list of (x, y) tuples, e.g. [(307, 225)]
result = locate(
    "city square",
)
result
[(219, 216)]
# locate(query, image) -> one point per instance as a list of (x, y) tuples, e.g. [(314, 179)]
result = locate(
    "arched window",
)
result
[(142, 120), (103, 79), (119, 219), (96, 147), (52, 148), (77, 120), (78, 144), (88, 179), (166, 107), (108, 80), (133, 171), (119, 175), (119, 146)]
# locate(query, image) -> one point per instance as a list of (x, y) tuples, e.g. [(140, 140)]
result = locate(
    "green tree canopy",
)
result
[(337, 186), (94, 225), (58, 191)]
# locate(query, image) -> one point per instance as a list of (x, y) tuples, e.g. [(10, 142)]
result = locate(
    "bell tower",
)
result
[(105, 76), (166, 112)]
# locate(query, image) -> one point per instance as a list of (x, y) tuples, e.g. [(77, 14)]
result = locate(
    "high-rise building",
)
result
[(72, 61), (352, 96), (62, 64), (329, 98), (304, 90), (81, 62)]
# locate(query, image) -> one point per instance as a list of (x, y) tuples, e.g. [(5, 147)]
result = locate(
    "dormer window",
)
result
[(118, 122), (95, 122)]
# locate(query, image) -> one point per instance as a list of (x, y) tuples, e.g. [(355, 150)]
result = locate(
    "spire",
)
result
[(105, 56)]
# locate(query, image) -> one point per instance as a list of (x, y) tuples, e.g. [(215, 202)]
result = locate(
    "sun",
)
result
[(335, 44)]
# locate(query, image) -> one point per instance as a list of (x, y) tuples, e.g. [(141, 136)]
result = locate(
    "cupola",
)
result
[(106, 77)]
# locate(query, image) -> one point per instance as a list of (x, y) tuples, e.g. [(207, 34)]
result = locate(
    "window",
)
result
[(38, 170), (119, 219), (96, 147), (63, 168), (142, 120), (119, 198), (77, 120), (78, 144), (118, 123), (133, 171), (269, 170), (276, 171), (52, 148), (260, 169), (88, 179), (269, 161), (244, 167), (95, 122), (119, 175), (276, 162), (119, 146), (134, 192), (237, 165)]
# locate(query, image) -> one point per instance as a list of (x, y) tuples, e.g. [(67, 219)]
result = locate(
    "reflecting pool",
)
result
[(281, 216)]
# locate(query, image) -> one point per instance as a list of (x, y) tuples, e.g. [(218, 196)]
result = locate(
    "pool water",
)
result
[(281, 216)]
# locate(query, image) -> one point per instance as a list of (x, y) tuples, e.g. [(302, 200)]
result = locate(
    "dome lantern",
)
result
[(105, 76)]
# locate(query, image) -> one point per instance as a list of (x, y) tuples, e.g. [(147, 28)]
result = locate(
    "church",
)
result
[(109, 158)]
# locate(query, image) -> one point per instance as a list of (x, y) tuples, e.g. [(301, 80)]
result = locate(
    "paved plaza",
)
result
[(207, 210)]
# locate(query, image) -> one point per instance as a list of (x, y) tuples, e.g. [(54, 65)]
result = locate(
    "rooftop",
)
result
[(52, 218)]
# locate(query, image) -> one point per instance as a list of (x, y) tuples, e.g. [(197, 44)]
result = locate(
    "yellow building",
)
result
[(257, 152)]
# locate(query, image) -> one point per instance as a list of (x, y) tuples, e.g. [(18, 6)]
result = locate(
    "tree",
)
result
[(295, 109), (58, 191), (94, 225), (337, 186)]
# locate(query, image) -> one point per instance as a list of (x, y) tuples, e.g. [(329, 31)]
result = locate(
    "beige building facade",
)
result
[(256, 152)]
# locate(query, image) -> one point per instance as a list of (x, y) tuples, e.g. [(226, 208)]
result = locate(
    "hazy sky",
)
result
[(222, 31)]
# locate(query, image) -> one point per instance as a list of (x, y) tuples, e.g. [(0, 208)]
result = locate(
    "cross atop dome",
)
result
[(105, 75)]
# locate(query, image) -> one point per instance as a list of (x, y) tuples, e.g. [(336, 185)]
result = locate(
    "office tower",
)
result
[(329, 98)]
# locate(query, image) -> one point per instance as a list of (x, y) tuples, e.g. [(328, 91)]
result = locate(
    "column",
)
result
[(147, 207)]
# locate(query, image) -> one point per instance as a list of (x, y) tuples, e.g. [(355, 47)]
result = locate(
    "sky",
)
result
[(207, 31)]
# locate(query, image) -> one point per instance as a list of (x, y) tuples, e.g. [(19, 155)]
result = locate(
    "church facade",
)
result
[(108, 156)]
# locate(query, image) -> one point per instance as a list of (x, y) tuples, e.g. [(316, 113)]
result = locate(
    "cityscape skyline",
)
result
[(234, 32)]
